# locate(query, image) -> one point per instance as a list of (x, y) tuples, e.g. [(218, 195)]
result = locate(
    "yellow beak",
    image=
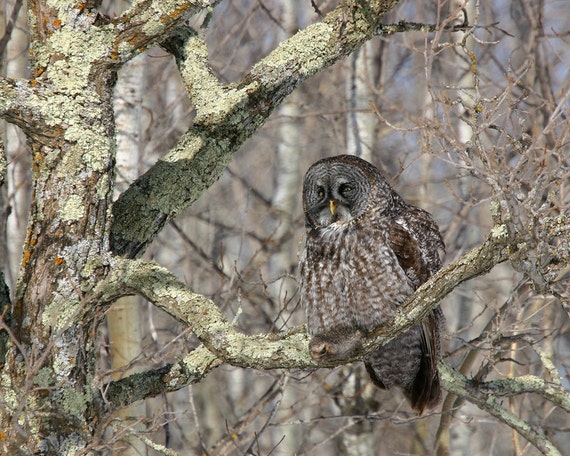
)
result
[(332, 206)]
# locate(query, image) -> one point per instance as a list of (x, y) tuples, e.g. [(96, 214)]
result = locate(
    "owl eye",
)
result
[(321, 192), (344, 189)]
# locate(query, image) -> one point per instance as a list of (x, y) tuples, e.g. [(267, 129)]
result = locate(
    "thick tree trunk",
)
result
[(66, 112)]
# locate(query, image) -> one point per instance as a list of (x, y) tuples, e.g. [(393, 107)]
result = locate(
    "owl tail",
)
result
[(425, 390), (388, 366)]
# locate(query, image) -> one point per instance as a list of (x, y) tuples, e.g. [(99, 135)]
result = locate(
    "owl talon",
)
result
[(320, 350)]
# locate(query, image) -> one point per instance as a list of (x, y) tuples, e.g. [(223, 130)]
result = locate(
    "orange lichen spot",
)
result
[(26, 258), (234, 436), (58, 260), (57, 23), (3, 436), (473, 59), (59, 233), (175, 14)]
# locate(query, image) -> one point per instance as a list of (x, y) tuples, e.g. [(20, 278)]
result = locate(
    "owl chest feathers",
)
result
[(351, 277)]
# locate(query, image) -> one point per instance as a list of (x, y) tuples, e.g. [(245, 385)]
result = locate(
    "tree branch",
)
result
[(458, 384), (478, 261), (3, 163), (224, 123), (280, 350), (285, 350), (148, 22), (159, 286), (18, 106), (191, 369)]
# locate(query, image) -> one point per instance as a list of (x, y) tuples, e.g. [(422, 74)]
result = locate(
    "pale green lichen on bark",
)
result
[(80, 50), (72, 208), (59, 314), (8, 395), (44, 378), (214, 103), (93, 143), (186, 148), (75, 402), (306, 54), (500, 231)]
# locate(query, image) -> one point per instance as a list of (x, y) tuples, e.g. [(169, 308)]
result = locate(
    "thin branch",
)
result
[(3, 164), (405, 26), (10, 24), (527, 384), (458, 384), (191, 369)]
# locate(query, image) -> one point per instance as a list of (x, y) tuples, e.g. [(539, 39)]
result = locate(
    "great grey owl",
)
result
[(366, 250)]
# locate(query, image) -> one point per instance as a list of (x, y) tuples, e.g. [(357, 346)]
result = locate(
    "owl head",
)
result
[(341, 189)]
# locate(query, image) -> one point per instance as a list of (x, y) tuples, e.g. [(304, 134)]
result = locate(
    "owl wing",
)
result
[(416, 240)]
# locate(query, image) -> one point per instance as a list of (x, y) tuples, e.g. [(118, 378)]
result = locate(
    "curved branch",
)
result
[(191, 369), (458, 384), (282, 350), (166, 291), (211, 327)]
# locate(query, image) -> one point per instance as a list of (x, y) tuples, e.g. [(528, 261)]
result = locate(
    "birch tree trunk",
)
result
[(124, 320), (16, 196)]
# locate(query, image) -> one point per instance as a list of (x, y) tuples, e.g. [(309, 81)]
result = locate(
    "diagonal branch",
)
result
[(226, 121), (458, 384), (478, 261), (147, 22), (19, 106)]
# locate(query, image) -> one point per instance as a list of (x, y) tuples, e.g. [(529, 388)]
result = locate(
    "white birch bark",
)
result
[(17, 187), (124, 322)]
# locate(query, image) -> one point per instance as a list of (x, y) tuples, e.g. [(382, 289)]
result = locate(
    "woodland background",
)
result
[(469, 123)]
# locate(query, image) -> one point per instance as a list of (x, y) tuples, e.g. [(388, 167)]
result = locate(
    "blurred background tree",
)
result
[(469, 120)]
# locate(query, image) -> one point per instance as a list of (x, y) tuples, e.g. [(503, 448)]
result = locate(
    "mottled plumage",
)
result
[(366, 250)]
